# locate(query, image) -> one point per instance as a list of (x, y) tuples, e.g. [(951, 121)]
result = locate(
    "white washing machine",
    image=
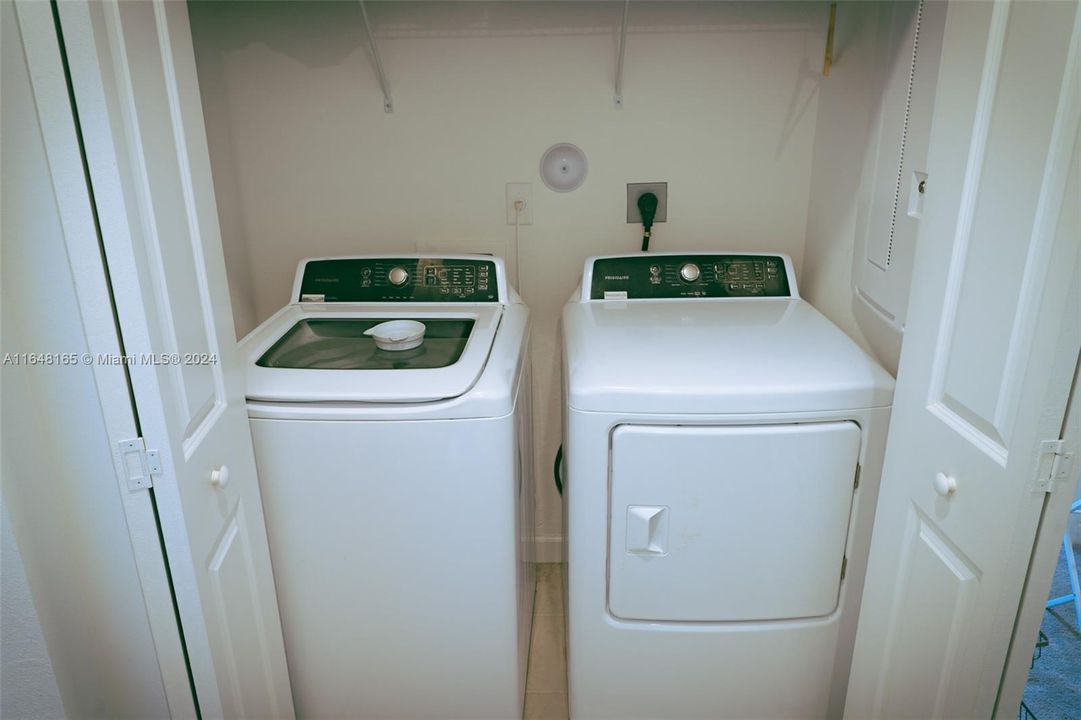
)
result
[(397, 487), (723, 445)]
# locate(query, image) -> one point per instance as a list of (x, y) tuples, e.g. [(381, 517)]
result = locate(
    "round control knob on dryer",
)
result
[(689, 272), (397, 276)]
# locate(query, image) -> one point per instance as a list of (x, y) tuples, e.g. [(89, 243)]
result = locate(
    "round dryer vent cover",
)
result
[(563, 167)]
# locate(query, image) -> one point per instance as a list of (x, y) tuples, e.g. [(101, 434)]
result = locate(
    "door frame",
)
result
[(47, 62)]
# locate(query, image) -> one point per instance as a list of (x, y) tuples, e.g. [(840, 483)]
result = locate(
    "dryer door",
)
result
[(729, 523)]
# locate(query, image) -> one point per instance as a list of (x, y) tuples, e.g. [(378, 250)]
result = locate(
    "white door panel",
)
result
[(976, 374), (974, 398), (136, 91), (935, 585), (690, 508)]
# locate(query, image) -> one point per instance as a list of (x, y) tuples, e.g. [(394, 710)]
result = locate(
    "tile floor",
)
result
[(546, 678)]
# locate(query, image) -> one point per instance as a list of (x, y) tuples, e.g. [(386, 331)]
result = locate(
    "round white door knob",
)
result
[(945, 485), (220, 477)]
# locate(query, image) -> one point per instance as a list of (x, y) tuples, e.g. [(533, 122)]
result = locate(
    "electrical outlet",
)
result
[(636, 190), (523, 192)]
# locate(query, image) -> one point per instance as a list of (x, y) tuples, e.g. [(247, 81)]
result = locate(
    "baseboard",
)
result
[(549, 548)]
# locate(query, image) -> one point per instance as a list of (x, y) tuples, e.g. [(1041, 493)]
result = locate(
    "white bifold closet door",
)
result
[(985, 372), (137, 99)]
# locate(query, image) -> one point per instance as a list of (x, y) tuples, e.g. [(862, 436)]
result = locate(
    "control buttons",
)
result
[(689, 272), (705, 275), (397, 276), (408, 279)]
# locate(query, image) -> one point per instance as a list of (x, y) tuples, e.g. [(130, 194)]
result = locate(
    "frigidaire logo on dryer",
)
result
[(617, 277)]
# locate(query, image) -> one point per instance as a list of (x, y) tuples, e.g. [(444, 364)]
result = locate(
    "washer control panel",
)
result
[(653, 277), (360, 280)]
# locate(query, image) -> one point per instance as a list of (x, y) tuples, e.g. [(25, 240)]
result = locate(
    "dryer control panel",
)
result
[(699, 275), (390, 279)]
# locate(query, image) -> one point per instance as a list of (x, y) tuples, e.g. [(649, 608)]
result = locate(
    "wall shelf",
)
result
[(622, 52), (384, 83), (388, 103), (827, 62)]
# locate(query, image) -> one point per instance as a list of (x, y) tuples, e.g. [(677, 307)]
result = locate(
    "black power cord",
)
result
[(647, 206), (556, 470)]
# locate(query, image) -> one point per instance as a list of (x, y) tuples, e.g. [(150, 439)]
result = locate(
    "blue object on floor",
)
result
[(1074, 595), (1053, 691)]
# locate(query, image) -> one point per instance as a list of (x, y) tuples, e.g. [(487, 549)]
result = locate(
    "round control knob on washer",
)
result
[(689, 272), (397, 276)]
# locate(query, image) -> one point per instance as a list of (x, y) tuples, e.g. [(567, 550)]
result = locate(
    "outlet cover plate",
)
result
[(635, 190), (523, 192)]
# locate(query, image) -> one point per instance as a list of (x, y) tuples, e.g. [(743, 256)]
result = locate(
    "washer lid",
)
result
[(319, 353), (715, 356), (353, 344)]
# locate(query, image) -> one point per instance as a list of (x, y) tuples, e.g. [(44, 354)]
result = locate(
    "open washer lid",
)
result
[(320, 354), (347, 344), (314, 350)]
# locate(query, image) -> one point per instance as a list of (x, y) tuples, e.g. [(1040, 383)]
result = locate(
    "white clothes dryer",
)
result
[(397, 487), (723, 445)]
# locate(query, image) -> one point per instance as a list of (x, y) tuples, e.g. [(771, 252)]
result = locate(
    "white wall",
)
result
[(59, 485), (720, 102), (27, 681), (846, 106)]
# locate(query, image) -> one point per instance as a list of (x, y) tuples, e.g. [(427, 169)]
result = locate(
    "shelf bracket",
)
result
[(388, 103), (622, 50), (827, 62)]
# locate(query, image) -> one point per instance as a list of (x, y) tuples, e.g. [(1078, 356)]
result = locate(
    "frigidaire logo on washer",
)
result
[(617, 277)]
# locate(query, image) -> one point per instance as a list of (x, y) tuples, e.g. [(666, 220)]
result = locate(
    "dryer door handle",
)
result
[(647, 529)]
